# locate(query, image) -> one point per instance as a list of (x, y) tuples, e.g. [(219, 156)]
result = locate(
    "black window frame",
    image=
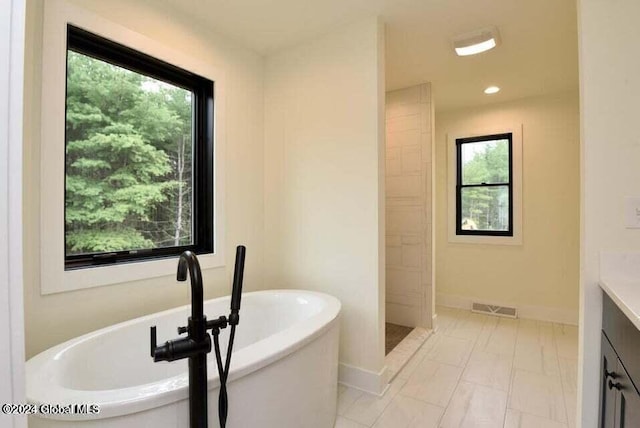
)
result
[(202, 89), (459, 185)]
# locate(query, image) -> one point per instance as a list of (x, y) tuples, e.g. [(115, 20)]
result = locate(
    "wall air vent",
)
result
[(500, 311)]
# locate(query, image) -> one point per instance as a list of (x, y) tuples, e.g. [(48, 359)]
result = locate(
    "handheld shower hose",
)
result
[(234, 318)]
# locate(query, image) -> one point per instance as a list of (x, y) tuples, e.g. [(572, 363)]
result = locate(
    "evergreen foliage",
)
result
[(128, 159), (486, 208)]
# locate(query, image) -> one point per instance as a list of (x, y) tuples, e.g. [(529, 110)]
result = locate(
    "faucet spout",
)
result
[(188, 261)]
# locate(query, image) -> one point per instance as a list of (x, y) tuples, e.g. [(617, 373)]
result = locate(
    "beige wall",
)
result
[(539, 277), (609, 90), (324, 153), (409, 268), (54, 318)]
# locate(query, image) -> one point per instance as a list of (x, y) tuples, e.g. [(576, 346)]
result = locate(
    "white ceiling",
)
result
[(539, 51)]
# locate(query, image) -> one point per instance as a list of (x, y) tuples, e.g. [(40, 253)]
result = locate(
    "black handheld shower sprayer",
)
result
[(236, 293), (197, 344), (234, 319)]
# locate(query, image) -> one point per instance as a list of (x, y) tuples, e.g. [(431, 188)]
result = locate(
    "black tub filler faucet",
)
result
[(197, 344)]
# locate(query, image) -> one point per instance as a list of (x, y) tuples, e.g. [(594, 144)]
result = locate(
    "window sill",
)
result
[(486, 240), (77, 279)]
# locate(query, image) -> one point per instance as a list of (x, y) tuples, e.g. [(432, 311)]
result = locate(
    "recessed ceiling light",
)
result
[(491, 90), (477, 41)]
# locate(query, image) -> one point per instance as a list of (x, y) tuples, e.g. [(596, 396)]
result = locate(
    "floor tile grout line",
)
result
[(464, 367), (546, 375), (426, 357), (564, 397), (508, 407), (495, 354), (519, 339), (511, 375), (352, 403), (493, 335), (354, 421), (522, 412), (385, 407)]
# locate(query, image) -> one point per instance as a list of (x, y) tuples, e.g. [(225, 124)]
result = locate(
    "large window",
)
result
[(484, 185), (139, 155)]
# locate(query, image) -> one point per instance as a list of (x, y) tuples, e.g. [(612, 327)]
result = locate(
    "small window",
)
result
[(484, 185), (138, 158)]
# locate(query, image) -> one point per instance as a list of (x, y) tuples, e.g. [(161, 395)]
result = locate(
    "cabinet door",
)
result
[(608, 367), (627, 400)]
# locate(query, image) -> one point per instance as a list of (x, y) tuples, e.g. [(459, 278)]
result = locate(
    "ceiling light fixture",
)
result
[(477, 41), (492, 90)]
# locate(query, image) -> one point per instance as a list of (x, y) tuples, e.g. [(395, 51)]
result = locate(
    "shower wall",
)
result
[(409, 219)]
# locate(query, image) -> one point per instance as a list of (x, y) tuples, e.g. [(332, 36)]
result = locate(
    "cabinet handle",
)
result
[(614, 385), (611, 375)]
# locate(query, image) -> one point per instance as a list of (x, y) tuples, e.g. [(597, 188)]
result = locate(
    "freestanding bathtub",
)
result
[(283, 371)]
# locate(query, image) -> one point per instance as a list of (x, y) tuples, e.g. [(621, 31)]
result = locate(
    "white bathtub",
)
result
[(283, 372)]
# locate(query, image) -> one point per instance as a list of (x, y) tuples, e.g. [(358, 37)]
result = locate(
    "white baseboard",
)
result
[(364, 380), (540, 313)]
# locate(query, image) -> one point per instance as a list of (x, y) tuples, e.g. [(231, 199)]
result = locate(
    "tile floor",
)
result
[(402, 353), (477, 371)]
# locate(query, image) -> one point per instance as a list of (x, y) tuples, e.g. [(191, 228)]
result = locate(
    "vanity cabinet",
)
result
[(619, 369), (608, 364)]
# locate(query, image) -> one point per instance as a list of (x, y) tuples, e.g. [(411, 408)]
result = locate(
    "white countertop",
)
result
[(626, 295), (620, 279)]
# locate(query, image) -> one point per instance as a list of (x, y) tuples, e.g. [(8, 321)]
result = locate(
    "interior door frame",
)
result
[(12, 352)]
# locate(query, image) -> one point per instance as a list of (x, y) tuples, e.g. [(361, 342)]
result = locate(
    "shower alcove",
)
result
[(409, 246)]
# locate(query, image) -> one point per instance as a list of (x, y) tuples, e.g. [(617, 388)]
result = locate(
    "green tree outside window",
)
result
[(128, 160)]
